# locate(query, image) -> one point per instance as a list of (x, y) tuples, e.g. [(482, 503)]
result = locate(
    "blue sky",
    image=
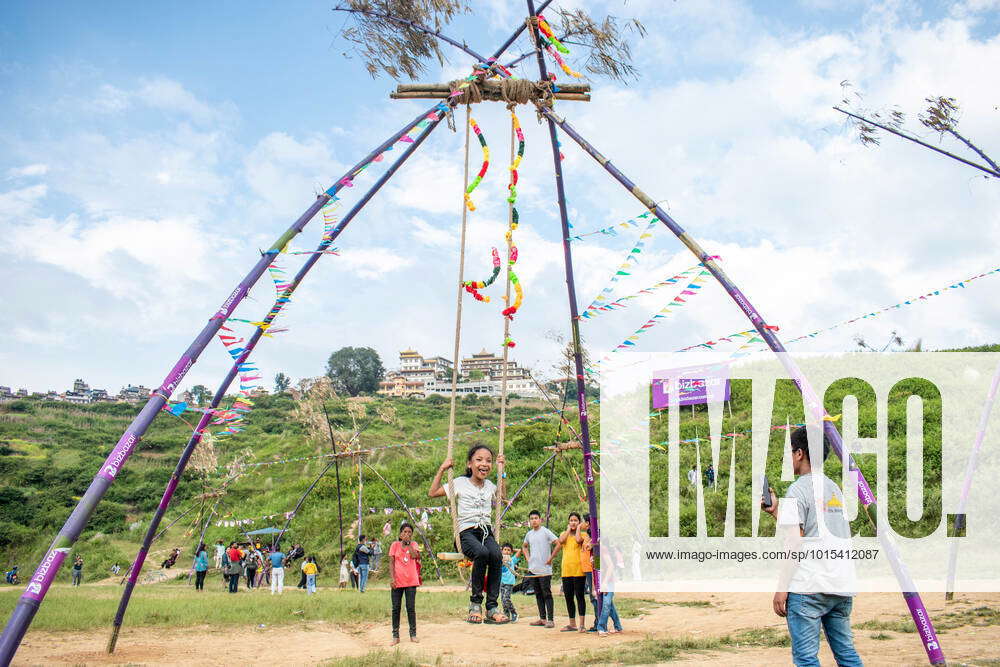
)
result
[(148, 150)]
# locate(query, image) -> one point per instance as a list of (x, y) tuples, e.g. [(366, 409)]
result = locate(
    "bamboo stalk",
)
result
[(340, 509), (574, 323), (435, 95), (970, 471), (234, 371)]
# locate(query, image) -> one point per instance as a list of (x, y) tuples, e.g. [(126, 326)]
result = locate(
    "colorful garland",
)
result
[(473, 286), (549, 41), (512, 309), (596, 308), (601, 299), (482, 170)]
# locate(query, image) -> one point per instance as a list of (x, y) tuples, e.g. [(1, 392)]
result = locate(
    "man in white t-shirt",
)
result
[(815, 592), (537, 549)]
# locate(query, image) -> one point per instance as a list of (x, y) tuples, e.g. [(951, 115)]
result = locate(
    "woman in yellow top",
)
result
[(573, 579)]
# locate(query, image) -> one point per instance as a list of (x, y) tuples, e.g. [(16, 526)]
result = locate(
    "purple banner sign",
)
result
[(695, 385)]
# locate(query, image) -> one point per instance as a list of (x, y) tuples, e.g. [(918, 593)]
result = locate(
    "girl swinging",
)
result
[(475, 496)]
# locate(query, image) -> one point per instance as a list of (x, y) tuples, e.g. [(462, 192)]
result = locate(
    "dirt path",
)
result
[(520, 644)]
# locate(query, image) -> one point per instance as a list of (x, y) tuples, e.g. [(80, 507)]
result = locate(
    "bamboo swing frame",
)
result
[(27, 606)]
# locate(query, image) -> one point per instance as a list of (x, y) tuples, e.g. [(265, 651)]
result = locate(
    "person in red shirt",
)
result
[(235, 568), (404, 577)]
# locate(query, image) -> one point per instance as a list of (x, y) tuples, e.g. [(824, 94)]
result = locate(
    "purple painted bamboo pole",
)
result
[(574, 323), (925, 627), (38, 585), (970, 471), (234, 371)]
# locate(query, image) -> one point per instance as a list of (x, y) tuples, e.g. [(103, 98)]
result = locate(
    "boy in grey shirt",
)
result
[(815, 593), (537, 549)]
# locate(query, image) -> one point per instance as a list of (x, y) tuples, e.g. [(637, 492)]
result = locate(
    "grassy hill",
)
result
[(50, 451)]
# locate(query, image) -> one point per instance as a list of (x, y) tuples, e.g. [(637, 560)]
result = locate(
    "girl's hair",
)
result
[(403, 526), (575, 514), (201, 547), (507, 545), (472, 452)]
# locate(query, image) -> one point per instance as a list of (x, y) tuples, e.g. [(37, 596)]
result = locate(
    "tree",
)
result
[(355, 370), (281, 382), (475, 374), (940, 116), (200, 393)]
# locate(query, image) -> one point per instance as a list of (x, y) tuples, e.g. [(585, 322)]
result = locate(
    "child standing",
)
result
[(537, 549), (508, 579), (345, 572), (475, 496), (311, 570), (404, 577)]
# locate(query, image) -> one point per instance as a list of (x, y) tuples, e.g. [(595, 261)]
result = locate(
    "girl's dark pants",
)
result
[(411, 609), (573, 588), (199, 580), (234, 583), (486, 561), (251, 576)]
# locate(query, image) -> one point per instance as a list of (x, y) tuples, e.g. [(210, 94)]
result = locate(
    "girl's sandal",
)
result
[(496, 617), (475, 614)]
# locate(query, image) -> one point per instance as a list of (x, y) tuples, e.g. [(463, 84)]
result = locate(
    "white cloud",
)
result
[(21, 202), (373, 263), (28, 170), (170, 95)]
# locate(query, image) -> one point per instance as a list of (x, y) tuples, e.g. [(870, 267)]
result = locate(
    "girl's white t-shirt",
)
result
[(473, 503)]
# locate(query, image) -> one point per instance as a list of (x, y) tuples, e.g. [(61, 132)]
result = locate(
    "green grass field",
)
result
[(176, 605)]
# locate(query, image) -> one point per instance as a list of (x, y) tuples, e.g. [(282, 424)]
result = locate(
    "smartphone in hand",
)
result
[(765, 498)]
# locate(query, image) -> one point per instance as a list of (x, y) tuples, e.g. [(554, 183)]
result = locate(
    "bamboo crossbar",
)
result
[(488, 95)]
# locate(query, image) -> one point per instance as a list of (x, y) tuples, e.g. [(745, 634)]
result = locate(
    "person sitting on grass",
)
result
[(814, 592), (404, 577), (475, 496)]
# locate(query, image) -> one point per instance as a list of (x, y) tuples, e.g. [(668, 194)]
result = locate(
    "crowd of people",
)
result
[(495, 569)]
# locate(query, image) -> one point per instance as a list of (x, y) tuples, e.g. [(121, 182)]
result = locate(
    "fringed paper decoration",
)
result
[(482, 170), (551, 44), (473, 286), (515, 217), (601, 300)]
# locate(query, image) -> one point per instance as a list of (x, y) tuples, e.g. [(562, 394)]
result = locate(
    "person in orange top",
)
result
[(404, 577), (587, 565), (573, 579)]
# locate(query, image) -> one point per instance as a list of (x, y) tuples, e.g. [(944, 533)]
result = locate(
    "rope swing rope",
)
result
[(458, 333)]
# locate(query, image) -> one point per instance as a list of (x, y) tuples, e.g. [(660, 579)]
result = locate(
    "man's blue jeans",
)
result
[(806, 613), (362, 576), (608, 610)]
